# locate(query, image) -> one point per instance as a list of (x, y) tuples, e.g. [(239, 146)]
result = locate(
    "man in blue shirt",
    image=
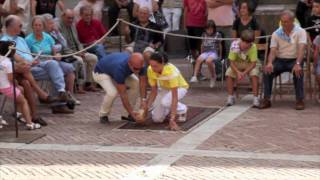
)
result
[(117, 73)]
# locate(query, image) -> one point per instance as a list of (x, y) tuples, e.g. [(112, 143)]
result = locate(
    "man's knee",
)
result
[(166, 102)]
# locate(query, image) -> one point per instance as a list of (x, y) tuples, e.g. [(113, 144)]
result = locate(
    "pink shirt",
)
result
[(222, 16), (196, 13)]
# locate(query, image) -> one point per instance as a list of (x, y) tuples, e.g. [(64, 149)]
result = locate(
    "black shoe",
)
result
[(61, 109), (40, 121), (63, 97), (104, 120), (128, 118)]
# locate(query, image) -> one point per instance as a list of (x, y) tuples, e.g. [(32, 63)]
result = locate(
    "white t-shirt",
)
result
[(5, 69)]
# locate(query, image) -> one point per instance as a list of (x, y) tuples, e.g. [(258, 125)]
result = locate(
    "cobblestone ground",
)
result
[(281, 143)]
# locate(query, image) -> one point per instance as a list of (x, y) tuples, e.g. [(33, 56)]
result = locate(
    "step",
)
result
[(262, 2)]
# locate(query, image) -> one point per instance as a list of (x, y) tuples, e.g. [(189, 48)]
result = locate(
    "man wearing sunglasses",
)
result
[(121, 73)]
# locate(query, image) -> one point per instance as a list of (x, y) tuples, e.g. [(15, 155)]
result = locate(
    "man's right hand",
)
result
[(268, 69)]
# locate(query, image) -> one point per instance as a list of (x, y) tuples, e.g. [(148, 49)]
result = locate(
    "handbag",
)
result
[(160, 19)]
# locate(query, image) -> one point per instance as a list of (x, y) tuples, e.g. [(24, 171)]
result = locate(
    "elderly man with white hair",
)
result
[(288, 44), (143, 41)]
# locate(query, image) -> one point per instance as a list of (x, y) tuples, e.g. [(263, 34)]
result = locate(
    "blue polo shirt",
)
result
[(20, 44), (116, 65)]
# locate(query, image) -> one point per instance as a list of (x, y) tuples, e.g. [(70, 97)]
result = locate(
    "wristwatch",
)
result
[(298, 63)]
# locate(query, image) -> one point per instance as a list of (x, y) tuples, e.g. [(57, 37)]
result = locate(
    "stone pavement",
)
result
[(238, 142)]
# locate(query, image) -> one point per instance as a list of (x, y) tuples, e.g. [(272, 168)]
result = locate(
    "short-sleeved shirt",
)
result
[(196, 13), (169, 78), (20, 44), (211, 45), (46, 6), (88, 34), (249, 56), (45, 45), (239, 27), (314, 21), (5, 69), (287, 46), (222, 15), (116, 65)]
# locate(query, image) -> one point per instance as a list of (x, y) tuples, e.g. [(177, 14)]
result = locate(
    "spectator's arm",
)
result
[(127, 36), (301, 50), (234, 67), (135, 10), (257, 33), (33, 7), (155, 6), (272, 55), (143, 87), (61, 5), (250, 67)]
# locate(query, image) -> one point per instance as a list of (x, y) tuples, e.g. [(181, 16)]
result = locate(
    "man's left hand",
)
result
[(297, 70)]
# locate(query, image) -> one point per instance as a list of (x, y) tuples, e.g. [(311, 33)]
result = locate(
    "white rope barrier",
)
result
[(197, 37), (75, 53), (139, 27)]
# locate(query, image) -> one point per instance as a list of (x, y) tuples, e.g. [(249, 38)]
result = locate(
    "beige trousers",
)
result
[(105, 81)]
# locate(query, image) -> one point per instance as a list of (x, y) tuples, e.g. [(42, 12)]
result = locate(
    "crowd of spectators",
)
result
[(34, 27)]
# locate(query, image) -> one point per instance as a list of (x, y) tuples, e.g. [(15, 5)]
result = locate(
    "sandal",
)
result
[(33, 126)]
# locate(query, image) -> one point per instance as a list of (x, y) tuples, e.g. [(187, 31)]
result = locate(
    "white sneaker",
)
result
[(3, 122), (212, 83), (76, 101), (194, 79), (231, 100), (33, 126), (256, 102), (182, 117)]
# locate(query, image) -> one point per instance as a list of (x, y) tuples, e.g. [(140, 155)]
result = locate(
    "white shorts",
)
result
[(206, 55)]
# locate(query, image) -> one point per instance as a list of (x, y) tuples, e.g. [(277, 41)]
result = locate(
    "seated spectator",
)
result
[(23, 68), (68, 29), (39, 7), (143, 41), (96, 5), (314, 20), (252, 3), (62, 47), (20, 8), (7, 88), (303, 11), (115, 9), (287, 45), (243, 57), (210, 51), (152, 6), (90, 30), (316, 64), (173, 87), (246, 20), (44, 70), (41, 42), (172, 11)]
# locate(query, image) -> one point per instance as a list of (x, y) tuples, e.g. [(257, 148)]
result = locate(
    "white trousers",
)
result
[(107, 84), (162, 104), (172, 16)]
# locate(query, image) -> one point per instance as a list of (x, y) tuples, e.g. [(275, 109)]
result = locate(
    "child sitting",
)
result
[(243, 61), (210, 51), (6, 86)]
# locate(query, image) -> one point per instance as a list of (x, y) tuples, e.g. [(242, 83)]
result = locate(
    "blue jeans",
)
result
[(280, 66), (50, 70), (98, 50)]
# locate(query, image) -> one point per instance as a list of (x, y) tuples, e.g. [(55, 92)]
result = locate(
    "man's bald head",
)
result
[(68, 17), (136, 62), (13, 25), (143, 14)]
